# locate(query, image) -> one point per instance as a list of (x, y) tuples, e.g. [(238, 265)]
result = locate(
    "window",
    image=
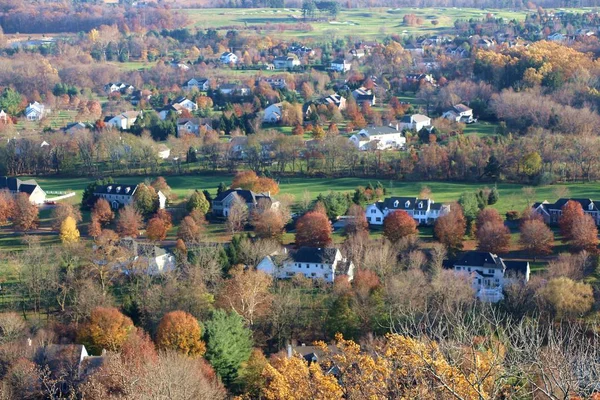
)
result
[(307, 266), (497, 281), (458, 268), (326, 276), (396, 204), (368, 219), (378, 219), (321, 266), (469, 269), (313, 274), (373, 211), (479, 281), (407, 204), (491, 271)]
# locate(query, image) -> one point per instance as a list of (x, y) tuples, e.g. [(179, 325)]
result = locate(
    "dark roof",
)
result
[(116, 188), (413, 203), (27, 188), (478, 259), (519, 267), (315, 255), (17, 185), (585, 204), (142, 249), (462, 108), (487, 260), (60, 358)]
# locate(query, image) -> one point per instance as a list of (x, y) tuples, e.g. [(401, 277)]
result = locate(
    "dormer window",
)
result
[(396, 204), (108, 188), (127, 189), (591, 207), (420, 204), (407, 204), (118, 189)]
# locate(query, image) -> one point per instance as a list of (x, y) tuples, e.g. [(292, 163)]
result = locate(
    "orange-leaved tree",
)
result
[(107, 329), (180, 331), (313, 229), (397, 225)]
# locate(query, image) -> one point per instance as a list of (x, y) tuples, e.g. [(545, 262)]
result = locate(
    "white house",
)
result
[(423, 211), (364, 95), (378, 138), (415, 122), (14, 185), (155, 259), (163, 151), (202, 84), (338, 101), (3, 116), (273, 113), (119, 195), (459, 113), (186, 104), (228, 58), (223, 202), (490, 273), (557, 37), (35, 111), (312, 262), (286, 62), (340, 65), (231, 89), (192, 126), (123, 121)]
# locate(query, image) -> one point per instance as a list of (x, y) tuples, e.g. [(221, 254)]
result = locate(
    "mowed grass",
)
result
[(511, 195), (369, 23)]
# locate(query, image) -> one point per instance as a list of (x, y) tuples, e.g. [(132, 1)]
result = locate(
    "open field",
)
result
[(368, 23)]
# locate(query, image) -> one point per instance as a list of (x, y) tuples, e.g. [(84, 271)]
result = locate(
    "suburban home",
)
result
[(193, 126), (156, 259), (364, 95), (228, 58), (223, 202), (272, 114), (457, 51), (340, 65), (186, 104), (119, 195), (67, 361), (459, 113), (415, 122), (171, 108), (357, 53), (138, 95), (118, 87), (551, 212), (36, 111), (75, 127), (3, 116), (286, 62), (378, 138), (202, 84), (557, 37), (123, 121), (414, 49), (275, 83), (335, 100), (162, 151), (423, 211), (420, 77), (489, 273), (14, 185), (312, 262), (232, 89), (237, 145), (301, 51)]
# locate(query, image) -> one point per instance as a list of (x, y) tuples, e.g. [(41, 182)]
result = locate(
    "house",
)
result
[(118, 87), (36, 111), (119, 195), (414, 49), (551, 212), (154, 258), (171, 108), (202, 84), (423, 211), (67, 361), (193, 126), (232, 89), (457, 51), (459, 113), (364, 95), (3, 116), (286, 62), (312, 262), (14, 185), (378, 138), (272, 113), (301, 51), (490, 273), (415, 122), (163, 151), (228, 58), (275, 83), (138, 95), (417, 78), (340, 65), (123, 121), (357, 53), (237, 145), (75, 127), (223, 202), (557, 37), (186, 104), (311, 353), (335, 100)]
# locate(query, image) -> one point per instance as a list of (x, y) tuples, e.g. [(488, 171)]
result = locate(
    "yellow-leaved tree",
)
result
[(68, 231), (180, 331)]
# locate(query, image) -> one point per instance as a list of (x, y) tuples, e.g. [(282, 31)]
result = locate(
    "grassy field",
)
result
[(369, 23)]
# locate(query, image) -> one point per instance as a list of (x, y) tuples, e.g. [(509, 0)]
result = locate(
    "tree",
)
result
[(450, 229), (198, 201), (494, 196), (250, 376), (397, 225), (357, 221), (313, 229), (25, 217), (180, 331), (584, 234), (160, 184), (129, 222), (61, 211), (566, 297), (228, 344), (145, 199), (12, 326), (189, 231), (103, 212), (247, 293), (468, 202), (10, 101), (107, 329), (94, 227), (68, 231), (536, 237), (238, 215), (7, 206), (342, 318), (493, 237), (156, 229), (570, 211), (250, 181), (488, 215)]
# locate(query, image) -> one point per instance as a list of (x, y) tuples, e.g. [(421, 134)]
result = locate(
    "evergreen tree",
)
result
[(342, 318), (198, 201), (88, 199), (469, 204), (494, 196), (228, 344), (222, 187)]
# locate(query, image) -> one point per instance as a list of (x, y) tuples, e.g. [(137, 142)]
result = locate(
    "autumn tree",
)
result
[(103, 212), (129, 222), (268, 223), (106, 329), (25, 217), (493, 237), (68, 231), (7, 206), (237, 216), (61, 211), (397, 225), (156, 229), (145, 199), (180, 331), (488, 215), (566, 297), (536, 237), (197, 201), (584, 234), (247, 293), (450, 228), (160, 184), (313, 229), (189, 231), (357, 221), (570, 211), (250, 181)]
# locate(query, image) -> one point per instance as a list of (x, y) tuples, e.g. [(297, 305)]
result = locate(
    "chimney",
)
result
[(29, 342), (289, 350)]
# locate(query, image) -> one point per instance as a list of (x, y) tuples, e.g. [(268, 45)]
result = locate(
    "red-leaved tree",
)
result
[(397, 225), (313, 229)]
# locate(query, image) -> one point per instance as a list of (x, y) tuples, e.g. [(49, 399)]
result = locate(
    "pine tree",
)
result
[(494, 196)]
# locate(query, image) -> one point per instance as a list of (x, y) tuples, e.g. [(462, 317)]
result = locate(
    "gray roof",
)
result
[(17, 185), (248, 196), (403, 203), (559, 204), (116, 188), (409, 119), (315, 255), (381, 130)]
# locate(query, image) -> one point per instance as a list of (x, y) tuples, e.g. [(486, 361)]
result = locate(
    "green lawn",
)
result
[(481, 129)]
